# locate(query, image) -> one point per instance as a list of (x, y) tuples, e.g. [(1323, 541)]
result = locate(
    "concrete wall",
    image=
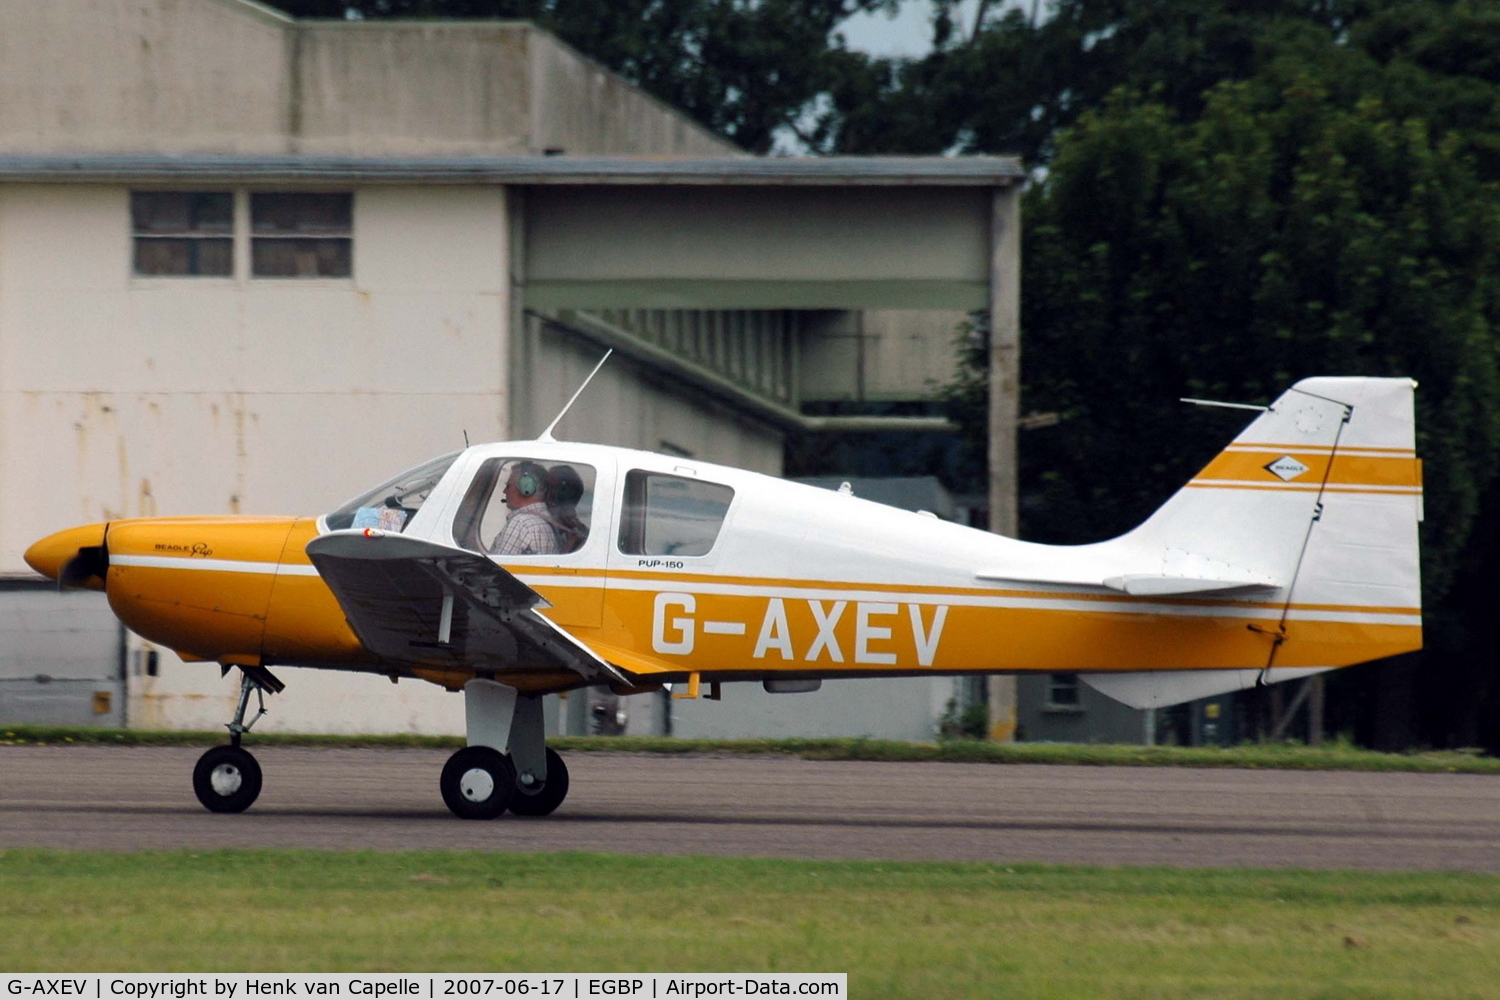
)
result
[(1095, 719), (227, 76), (124, 396), (194, 696), (633, 407), (59, 658), (130, 76), (878, 354), (580, 108), (792, 248), (374, 88), (905, 708)]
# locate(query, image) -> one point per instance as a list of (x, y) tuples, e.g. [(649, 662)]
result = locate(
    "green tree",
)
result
[(1327, 206), (1020, 76), (1278, 235)]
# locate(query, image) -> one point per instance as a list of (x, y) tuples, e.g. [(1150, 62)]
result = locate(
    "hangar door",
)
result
[(757, 247), (59, 659)]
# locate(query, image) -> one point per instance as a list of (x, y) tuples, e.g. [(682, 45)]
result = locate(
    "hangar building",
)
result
[(254, 264)]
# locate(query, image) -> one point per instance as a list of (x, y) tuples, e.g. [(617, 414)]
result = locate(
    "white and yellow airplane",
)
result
[(508, 571)]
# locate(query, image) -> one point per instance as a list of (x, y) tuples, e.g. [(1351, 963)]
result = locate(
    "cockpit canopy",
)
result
[(515, 504)]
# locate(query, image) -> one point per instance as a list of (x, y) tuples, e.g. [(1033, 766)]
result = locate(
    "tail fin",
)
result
[(1316, 504)]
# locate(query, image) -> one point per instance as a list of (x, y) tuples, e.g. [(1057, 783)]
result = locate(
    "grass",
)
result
[(1337, 756), (898, 929)]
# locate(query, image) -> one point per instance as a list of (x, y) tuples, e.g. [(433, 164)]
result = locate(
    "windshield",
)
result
[(391, 505)]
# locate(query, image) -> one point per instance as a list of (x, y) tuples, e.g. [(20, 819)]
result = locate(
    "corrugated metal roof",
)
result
[(923, 171)]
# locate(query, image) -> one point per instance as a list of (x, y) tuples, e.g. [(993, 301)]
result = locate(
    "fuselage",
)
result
[(684, 567)]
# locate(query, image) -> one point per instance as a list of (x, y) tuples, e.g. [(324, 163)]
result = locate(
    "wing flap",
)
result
[(393, 590)]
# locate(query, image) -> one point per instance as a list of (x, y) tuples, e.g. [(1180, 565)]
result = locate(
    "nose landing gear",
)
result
[(227, 779)]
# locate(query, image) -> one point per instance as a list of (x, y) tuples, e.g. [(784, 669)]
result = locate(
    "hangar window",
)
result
[(182, 233), (670, 515), (1062, 693), (301, 235)]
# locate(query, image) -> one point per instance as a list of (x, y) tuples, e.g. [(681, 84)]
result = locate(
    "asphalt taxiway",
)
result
[(135, 798)]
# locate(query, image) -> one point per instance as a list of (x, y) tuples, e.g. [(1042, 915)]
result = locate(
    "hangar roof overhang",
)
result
[(916, 171)]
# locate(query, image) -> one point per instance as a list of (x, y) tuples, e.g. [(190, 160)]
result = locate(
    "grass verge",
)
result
[(898, 929), (1287, 756)]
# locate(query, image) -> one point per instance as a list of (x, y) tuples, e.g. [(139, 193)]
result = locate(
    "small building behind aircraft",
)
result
[(255, 264)]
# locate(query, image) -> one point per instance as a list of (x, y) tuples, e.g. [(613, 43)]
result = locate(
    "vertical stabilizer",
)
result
[(1321, 495)]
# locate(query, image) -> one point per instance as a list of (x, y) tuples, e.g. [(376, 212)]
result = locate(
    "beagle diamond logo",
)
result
[(1286, 468)]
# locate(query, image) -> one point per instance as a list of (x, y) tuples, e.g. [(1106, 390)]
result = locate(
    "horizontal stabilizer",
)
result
[(1154, 584), (1141, 584), (1162, 688)]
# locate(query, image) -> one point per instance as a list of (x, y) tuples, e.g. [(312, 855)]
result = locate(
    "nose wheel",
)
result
[(227, 779)]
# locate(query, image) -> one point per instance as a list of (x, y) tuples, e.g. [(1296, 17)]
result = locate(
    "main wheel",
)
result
[(478, 783), (227, 780), (541, 801)]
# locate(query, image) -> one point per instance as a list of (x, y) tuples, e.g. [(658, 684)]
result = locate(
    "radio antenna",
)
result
[(546, 435)]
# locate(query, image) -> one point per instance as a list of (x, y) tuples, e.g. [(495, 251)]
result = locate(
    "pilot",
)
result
[(527, 531), (564, 490)]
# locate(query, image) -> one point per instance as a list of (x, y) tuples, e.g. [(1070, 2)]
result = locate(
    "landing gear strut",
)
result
[(507, 764), (227, 779)]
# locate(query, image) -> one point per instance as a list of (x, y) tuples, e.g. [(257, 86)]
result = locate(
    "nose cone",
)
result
[(52, 554)]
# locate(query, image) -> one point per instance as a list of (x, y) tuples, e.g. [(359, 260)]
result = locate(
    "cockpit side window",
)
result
[(671, 516), (391, 505), (526, 507)]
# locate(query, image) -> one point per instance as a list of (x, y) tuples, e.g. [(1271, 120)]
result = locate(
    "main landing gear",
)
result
[(506, 765), (227, 779), (481, 782)]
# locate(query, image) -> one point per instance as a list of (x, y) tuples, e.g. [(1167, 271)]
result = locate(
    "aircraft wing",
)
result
[(418, 602)]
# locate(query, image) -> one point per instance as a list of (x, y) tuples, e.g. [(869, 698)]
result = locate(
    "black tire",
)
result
[(478, 783), (542, 801), (227, 780)]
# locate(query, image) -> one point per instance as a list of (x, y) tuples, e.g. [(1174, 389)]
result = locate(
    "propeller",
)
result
[(91, 563)]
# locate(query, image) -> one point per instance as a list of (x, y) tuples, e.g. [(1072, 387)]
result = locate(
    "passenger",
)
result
[(564, 490), (528, 530)]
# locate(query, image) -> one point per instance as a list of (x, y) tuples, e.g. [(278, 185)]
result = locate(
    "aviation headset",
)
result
[(528, 483)]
